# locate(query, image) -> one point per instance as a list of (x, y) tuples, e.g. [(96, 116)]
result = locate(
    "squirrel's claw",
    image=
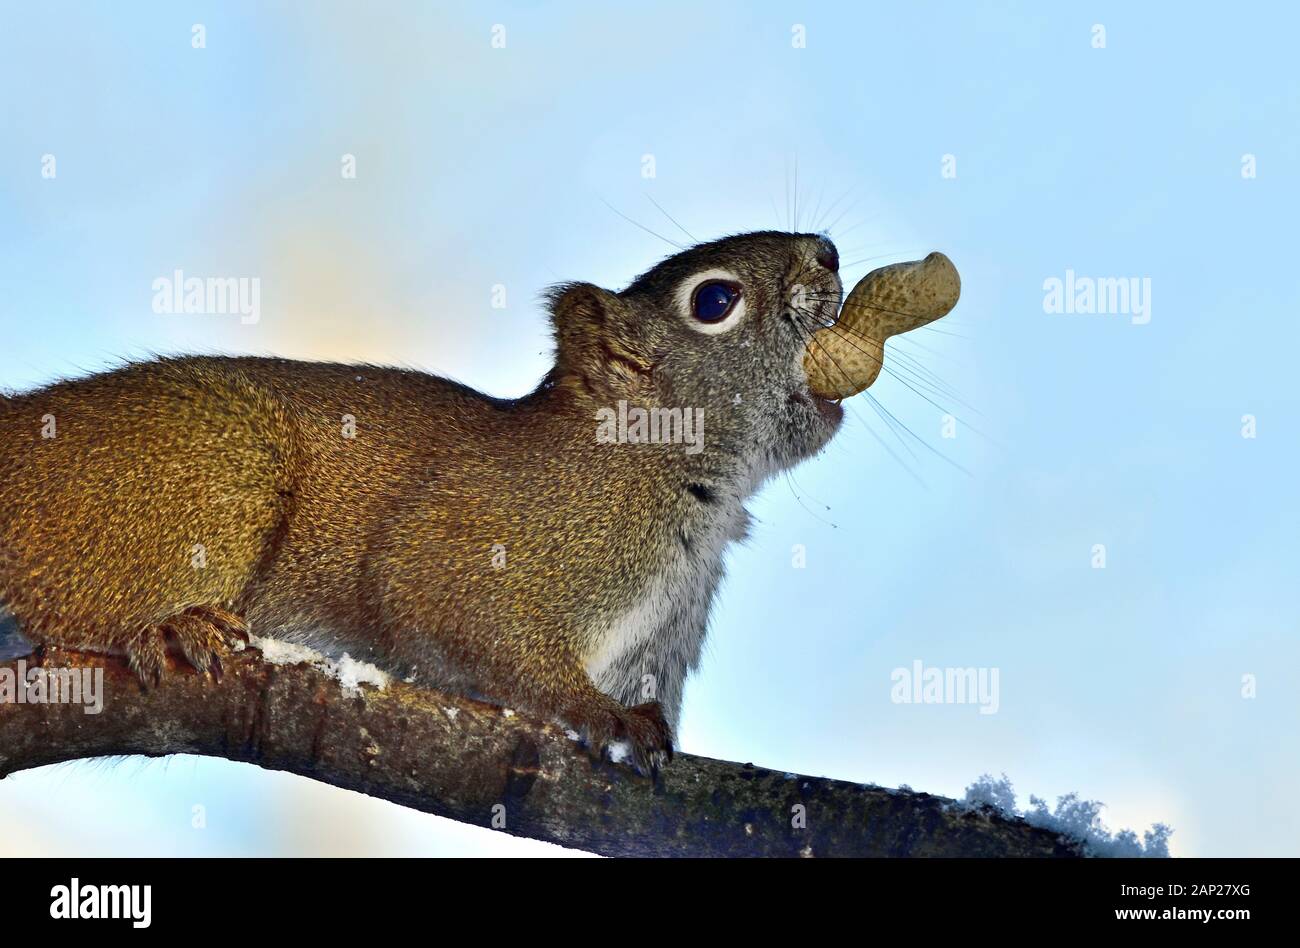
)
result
[(642, 728), (203, 634)]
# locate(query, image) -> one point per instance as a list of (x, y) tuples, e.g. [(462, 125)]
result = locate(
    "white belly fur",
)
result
[(670, 616)]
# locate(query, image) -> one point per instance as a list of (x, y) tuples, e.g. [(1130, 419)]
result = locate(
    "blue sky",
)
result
[(479, 166)]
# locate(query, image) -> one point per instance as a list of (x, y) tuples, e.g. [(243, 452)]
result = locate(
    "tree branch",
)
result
[(474, 762)]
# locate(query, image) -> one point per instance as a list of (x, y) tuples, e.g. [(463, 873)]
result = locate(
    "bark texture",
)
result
[(480, 764)]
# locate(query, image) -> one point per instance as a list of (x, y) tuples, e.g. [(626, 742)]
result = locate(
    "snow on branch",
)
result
[(347, 725)]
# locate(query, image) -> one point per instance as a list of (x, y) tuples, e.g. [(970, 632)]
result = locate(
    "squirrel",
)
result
[(546, 553)]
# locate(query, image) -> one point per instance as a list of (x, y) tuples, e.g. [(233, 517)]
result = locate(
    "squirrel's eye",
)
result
[(713, 300)]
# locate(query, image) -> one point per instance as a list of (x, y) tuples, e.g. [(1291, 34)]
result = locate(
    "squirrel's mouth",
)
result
[(845, 357), (830, 409)]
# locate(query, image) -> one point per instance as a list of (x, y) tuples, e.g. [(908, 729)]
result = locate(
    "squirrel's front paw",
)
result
[(642, 728)]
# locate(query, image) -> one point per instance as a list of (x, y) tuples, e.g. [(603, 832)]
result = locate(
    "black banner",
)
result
[(979, 897)]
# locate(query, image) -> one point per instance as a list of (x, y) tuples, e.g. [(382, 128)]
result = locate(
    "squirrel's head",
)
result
[(720, 328)]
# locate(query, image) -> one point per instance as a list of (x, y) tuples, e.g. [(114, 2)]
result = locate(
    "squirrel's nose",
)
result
[(828, 256)]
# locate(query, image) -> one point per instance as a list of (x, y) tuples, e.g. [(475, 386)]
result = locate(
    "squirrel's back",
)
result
[(168, 481)]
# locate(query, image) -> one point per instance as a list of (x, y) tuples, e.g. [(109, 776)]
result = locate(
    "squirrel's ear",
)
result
[(596, 342)]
